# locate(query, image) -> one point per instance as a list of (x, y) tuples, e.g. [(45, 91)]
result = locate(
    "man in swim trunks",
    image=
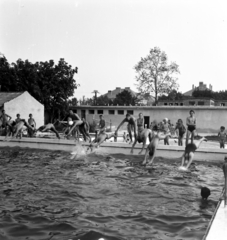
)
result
[(188, 155), (101, 125), (191, 126), (140, 123), (131, 126), (152, 147), (32, 123), (142, 137), (84, 129), (5, 118), (49, 126), (18, 119), (76, 121), (166, 130), (103, 136)]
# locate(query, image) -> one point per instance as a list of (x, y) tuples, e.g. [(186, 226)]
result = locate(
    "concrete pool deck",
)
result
[(218, 225), (208, 152)]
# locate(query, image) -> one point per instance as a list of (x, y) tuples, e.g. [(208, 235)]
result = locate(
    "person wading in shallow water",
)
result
[(131, 126)]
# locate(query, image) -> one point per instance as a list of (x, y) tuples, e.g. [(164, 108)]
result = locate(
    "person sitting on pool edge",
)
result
[(152, 147), (131, 126), (189, 152), (191, 124), (16, 128)]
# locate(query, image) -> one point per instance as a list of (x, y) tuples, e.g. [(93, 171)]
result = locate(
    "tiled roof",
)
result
[(8, 96)]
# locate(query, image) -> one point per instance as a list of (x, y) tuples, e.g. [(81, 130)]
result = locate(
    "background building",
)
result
[(113, 93), (209, 119), (22, 103), (201, 87)]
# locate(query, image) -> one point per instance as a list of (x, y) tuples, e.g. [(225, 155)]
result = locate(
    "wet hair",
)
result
[(222, 128), (205, 192), (18, 115), (191, 111), (30, 115), (128, 115)]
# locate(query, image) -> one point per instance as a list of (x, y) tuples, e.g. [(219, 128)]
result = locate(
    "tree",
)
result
[(49, 83), (154, 75), (95, 98), (103, 100), (125, 98), (73, 102), (203, 93)]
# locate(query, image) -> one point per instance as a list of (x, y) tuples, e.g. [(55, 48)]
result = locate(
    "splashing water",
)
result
[(78, 151)]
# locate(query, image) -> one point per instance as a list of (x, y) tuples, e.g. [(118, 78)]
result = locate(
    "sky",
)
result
[(105, 39)]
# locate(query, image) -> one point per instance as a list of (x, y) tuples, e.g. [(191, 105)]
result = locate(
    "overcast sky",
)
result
[(105, 39)]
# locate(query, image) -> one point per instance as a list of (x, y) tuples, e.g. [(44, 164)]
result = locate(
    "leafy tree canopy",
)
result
[(125, 98), (49, 83), (155, 75)]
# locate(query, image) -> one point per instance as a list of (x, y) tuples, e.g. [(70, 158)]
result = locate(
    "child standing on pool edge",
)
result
[(222, 137), (191, 123)]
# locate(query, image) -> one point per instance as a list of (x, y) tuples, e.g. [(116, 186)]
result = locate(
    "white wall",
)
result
[(24, 105)]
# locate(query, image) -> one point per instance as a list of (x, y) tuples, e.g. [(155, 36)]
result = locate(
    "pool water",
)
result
[(50, 195)]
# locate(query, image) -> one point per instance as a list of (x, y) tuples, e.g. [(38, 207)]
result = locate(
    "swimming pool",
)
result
[(47, 195)]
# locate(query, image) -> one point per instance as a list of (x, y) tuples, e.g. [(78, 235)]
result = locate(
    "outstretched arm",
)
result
[(120, 125)]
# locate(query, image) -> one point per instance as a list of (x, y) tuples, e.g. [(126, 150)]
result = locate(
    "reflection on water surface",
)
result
[(48, 195)]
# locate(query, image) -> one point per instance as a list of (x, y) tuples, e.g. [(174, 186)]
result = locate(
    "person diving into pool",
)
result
[(143, 134), (102, 136), (152, 147), (142, 138), (131, 126), (189, 153), (48, 127)]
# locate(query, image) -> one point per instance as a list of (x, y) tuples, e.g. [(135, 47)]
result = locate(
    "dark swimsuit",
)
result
[(191, 147), (191, 128)]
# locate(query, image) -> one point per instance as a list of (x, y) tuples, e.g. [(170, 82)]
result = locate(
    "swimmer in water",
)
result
[(49, 126), (189, 152), (191, 123), (152, 147)]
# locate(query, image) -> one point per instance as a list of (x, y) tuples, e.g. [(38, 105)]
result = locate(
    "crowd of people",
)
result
[(154, 133)]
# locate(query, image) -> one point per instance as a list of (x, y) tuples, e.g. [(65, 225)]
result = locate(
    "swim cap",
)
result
[(70, 123)]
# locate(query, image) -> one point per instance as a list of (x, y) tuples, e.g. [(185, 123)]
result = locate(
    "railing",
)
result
[(225, 186)]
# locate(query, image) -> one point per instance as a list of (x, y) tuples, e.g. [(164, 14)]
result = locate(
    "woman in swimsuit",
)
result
[(191, 124)]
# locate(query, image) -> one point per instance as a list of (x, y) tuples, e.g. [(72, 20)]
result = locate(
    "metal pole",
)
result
[(225, 175)]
